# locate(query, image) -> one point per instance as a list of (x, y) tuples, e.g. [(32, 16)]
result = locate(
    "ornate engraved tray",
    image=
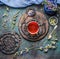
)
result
[(40, 19), (9, 43)]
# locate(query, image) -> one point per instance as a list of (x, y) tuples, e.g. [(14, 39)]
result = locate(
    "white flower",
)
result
[(53, 47), (41, 48), (21, 52), (50, 46), (45, 50), (27, 50), (53, 42)]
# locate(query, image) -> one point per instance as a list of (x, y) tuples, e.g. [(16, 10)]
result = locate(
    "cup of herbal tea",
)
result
[(33, 27), (50, 7)]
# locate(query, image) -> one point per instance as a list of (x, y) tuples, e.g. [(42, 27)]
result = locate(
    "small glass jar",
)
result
[(50, 7)]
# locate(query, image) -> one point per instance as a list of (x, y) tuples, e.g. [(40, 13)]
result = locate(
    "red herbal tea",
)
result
[(33, 27)]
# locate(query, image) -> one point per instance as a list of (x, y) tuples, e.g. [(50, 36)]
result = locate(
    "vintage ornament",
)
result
[(39, 20), (10, 42)]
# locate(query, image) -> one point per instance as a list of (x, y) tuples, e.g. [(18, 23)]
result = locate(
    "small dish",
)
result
[(53, 20), (50, 7)]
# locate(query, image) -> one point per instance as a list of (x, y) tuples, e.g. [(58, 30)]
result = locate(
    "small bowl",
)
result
[(53, 20), (33, 27), (48, 11)]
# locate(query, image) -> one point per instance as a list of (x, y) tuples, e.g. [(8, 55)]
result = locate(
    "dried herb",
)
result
[(45, 50), (53, 42), (5, 15), (14, 19), (7, 9), (16, 14), (15, 55), (40, 48)]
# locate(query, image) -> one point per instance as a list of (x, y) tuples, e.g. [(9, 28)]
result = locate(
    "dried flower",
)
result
[(5, 15), (56, 39), (53, 42), (7, 8), (45, 50), (50, 46), (41, 48), (21, 52), (16, 14), (53, 47), (16, 53), (27, 49)]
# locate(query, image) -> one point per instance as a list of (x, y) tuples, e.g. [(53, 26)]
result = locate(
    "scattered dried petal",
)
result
[(7, 8), (5, 15), (21, 52), (50, 46), (45, 50), (53, 47), (53, 42), (41, 48), (27, 50)]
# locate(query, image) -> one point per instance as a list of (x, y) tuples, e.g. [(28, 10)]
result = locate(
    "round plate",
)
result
[(40, 19), (9, 43)]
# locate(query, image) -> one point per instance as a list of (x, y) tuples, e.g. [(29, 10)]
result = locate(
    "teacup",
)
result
[(33, 27)]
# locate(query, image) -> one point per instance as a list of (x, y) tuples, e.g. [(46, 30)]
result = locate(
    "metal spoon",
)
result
[(50, 35)]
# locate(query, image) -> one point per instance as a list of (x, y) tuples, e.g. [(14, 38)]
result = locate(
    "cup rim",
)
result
[(37, 29)]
